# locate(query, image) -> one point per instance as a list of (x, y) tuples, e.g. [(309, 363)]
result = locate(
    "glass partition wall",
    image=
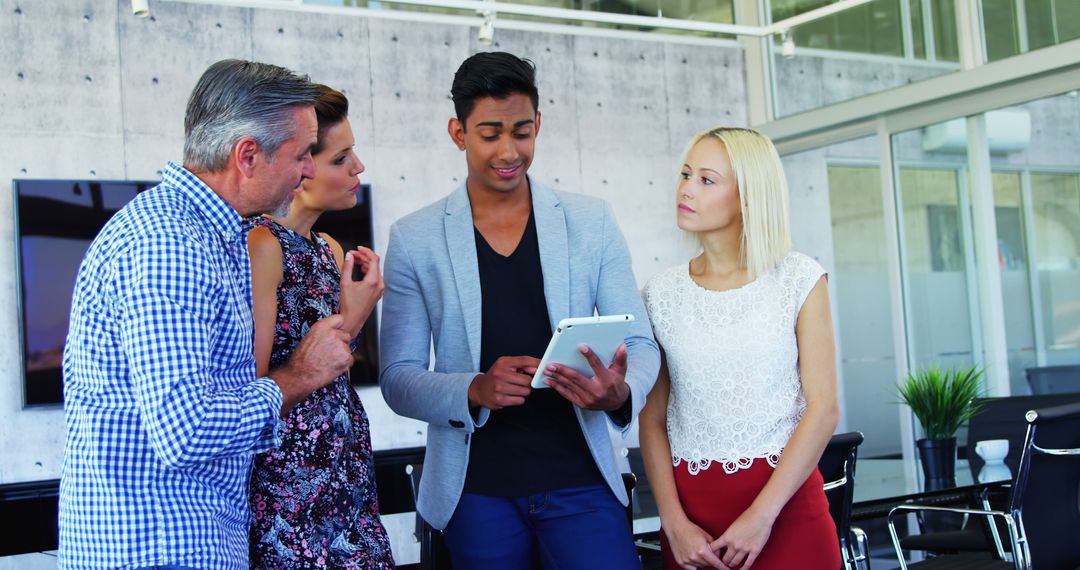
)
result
[(925, 204)]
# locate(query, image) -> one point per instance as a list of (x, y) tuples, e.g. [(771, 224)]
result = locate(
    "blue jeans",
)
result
[(576, 528)]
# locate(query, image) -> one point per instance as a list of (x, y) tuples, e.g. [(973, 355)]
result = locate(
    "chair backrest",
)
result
[(1046, 489), (837, 467), (1054, 379), (642, 500), (30, 509), (392, 480), (1003, 418)]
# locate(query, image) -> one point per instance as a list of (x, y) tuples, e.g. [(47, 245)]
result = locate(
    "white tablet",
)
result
[(602, 334)]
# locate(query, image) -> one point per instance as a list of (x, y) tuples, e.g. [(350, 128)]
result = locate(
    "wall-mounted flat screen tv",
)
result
[(55, 222), (351, 228)]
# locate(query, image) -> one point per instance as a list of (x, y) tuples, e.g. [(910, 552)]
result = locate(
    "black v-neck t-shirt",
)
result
[(538, 446)]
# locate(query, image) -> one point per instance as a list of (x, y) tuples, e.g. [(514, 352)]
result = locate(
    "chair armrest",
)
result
[(982, 512), (927, 508)]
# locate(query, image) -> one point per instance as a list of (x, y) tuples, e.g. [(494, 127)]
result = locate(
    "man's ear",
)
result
[(537, 122), (247, 153), (456, 131)]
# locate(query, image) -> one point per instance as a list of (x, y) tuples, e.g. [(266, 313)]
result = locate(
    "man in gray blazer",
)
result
[(513, 474)]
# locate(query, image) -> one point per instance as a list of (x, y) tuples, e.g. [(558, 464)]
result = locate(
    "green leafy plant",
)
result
[(942, 400)]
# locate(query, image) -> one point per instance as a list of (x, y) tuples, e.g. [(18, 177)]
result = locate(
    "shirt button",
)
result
[(457, 424)]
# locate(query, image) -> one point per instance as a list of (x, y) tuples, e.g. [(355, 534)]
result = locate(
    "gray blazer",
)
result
[(433, 295)]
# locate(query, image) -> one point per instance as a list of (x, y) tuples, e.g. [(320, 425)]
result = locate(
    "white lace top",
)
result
[(733, 359)]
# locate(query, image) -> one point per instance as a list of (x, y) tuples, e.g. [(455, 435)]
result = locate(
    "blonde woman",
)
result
[(746, 397)]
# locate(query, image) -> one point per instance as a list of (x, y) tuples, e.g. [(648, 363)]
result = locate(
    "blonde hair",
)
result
[(763, 196)]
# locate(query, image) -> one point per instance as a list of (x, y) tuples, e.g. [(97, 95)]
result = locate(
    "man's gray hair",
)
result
[(235, 99)]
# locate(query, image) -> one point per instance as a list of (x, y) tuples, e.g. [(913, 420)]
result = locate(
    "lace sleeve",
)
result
[(806, 272), (656, 295)]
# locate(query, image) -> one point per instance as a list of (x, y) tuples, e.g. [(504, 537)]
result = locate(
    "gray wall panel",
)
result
[(334, 51), (58, 66), (621, 97), (705, 88), (413, 65), (161, 58)]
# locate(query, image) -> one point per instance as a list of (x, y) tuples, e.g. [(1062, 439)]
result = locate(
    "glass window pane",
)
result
[(1066, 20), (1037, 144), (1040, 23), (1046, 23), (936, 247), (946, 44), (872, 28), (1056, 209), (1015, 284), (863, 305), (999, 24), (917, 35), (837, 192), (857, 52)]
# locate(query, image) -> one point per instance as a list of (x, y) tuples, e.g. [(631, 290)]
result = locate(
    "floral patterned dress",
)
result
[(313, 499)]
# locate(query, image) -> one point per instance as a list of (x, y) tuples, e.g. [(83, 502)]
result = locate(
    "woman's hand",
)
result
[(358, 298), (742, 542), (690, 546)]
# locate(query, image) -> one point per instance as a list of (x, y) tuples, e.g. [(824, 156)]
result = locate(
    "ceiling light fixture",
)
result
[(140, 8), (486, 34), (787, 45)]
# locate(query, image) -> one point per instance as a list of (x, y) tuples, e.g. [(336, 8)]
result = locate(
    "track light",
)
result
[(140, 8), (487, 29), (787, 45)]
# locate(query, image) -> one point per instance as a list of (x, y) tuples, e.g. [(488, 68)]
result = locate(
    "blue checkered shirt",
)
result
[(162, 405)]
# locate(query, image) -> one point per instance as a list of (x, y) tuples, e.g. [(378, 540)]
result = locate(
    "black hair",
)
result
[(331, 108), (492, 74)]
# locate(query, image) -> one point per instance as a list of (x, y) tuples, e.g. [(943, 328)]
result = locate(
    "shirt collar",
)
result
[(221, 217)]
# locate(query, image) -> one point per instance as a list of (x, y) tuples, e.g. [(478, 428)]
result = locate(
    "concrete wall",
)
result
[(88, 91)]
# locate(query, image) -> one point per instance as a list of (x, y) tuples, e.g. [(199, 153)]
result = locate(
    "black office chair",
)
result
[(998, 418), (837, 467), (1038, 517), (433, 552), (1054, 379), (393, 484)]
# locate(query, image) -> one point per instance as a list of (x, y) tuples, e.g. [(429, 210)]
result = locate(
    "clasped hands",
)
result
[(507, 382), (737, 548)]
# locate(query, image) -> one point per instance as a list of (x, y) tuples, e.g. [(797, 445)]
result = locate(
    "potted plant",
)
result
[(942, 400)]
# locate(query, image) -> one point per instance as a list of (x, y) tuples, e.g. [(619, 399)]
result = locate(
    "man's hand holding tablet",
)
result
[(505, 384), (574, 363)]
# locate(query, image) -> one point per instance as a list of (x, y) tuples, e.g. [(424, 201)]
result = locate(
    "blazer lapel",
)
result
[(554, 252), (461, 245)]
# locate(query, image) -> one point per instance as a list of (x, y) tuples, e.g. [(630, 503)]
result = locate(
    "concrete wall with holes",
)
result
[(88, 91)]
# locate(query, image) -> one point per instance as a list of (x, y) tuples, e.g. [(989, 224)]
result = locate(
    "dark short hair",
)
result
[(234, 99), (492, 74), (331, 108)]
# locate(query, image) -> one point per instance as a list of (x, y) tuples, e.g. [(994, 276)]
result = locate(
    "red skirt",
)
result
[(803, 536)]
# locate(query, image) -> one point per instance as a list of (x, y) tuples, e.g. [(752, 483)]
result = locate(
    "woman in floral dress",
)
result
[(313, 498)]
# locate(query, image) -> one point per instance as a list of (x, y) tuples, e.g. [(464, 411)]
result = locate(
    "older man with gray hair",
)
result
[(163, 408)]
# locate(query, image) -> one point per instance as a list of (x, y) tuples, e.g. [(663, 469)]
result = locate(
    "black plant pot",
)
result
[(938, 458)]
